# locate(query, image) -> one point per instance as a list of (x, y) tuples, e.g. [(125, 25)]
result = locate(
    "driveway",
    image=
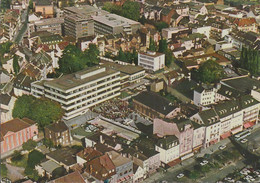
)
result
[(14, 173)]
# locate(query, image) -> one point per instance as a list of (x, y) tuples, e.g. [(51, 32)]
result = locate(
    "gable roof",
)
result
[(167, 141), (69, 178), (64, 155), (5, 99), (245, 22), (57, 127), (15, 125)]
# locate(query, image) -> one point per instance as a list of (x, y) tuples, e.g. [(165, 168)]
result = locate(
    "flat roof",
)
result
[(152, 54), (49, 21), (70, 81), (114, 20), (85, 11)]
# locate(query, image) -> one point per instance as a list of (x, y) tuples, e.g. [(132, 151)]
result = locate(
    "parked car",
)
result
[(243, 141), (222, 147), (204, 162), (180, 175)]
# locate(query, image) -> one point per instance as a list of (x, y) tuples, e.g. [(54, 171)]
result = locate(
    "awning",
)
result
[(225, 135), (174, 162), (249, 124), (236, 130), (213, 141)]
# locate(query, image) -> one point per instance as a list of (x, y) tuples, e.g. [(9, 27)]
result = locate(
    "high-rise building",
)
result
[(79, 91)]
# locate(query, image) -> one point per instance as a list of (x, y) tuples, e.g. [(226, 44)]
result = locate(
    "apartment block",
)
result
[(79, 91), (114, 24), (152, 61), (78, 21)]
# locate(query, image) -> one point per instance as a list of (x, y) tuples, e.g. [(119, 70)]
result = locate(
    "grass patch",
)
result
[(22, 162)]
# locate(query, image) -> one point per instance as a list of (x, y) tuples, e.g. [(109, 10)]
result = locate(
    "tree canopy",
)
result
[(210, 72), (250, 60), (130, 9), (41, 110), (29, 145), (73, 59), (5, 4), (128, 56), (152, 46), (16, 66), (163, 48)]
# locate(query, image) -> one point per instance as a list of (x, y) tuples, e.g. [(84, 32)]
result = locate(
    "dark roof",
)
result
[(42, 2), (57, 127), (167, 142), (22, 81), (242, 84), (64, 155), (228, 92), (5, 99), (155, 102), (209, 117)]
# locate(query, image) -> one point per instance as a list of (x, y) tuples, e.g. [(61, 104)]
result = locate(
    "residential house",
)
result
[(71, 177), (16, 132), (7, 105), (181, 128), (87, 155), (138, 173), (46, 168), (198, 136), (204, 95), (44, 7), (152, 105), (102, 169), (168, 146), (123, 165), (246, 25), (58, 133), (22, 84)]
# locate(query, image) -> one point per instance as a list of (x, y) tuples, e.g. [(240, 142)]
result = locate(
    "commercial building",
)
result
[(114, 24), (53, 25), (78, 21), (152, 61), (79, 91)]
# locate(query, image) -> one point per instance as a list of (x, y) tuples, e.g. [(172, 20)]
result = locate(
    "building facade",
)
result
[(79, 91), (152, 61), (16, 132)]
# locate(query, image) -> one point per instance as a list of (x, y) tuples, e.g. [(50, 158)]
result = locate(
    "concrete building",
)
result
[(16, 132), (114, 24), (79, 91), (53, 25), (204, 95), (152, 61), (6, 107), (78, 21), (168, 147), (45, 7)]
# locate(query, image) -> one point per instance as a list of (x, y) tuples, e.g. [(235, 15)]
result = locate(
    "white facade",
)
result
[(222, 45), (168, 155), (138, 175), (202, 30), (151, 60), (206, 97), (79, 91)]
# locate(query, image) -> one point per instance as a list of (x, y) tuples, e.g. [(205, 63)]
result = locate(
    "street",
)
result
[(22, 29), (172, 172)]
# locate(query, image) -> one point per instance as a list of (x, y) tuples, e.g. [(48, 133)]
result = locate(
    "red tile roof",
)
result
[(15, 125), (244, 22), (70, 178), (89, 154)]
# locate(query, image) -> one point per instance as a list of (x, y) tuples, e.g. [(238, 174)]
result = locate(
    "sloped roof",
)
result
[(245, 22), (69, 178)]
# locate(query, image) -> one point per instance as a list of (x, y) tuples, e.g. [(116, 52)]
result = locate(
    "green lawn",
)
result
[(21, 163)]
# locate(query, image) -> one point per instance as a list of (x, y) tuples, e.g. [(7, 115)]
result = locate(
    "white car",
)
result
[(243, 141), (222, 147), (180, 175), (204, 162)]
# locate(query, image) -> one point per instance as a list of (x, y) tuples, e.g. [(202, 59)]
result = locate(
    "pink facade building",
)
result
[(15, 132), (182, 129)]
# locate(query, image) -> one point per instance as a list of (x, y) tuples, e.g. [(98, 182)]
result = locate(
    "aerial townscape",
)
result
[(130, 91)]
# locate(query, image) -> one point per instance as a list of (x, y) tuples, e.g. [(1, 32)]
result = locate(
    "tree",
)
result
[(210, 72), (121, 56), (161, 25), (16, 66), (73, 59), (5, 4), (163, 46), (112, 8), (29, 145), (58, 172), (17, 156), (48, 143), (3, 170), (41, 110), (135, 57), (250, 60), (152, 46), (34, 158), (22, 106), (131, 10)]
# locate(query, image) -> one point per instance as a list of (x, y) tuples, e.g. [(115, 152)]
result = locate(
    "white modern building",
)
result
[(79, 91), (204, 96), (152, 61)]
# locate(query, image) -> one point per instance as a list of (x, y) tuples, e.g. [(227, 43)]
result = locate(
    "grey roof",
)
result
[(118, 159), (49, 166), (209, 117), (155, 101), (57, 127), (5, 99), (228, 92), (64, 155), (242, 84), (42, 2)]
